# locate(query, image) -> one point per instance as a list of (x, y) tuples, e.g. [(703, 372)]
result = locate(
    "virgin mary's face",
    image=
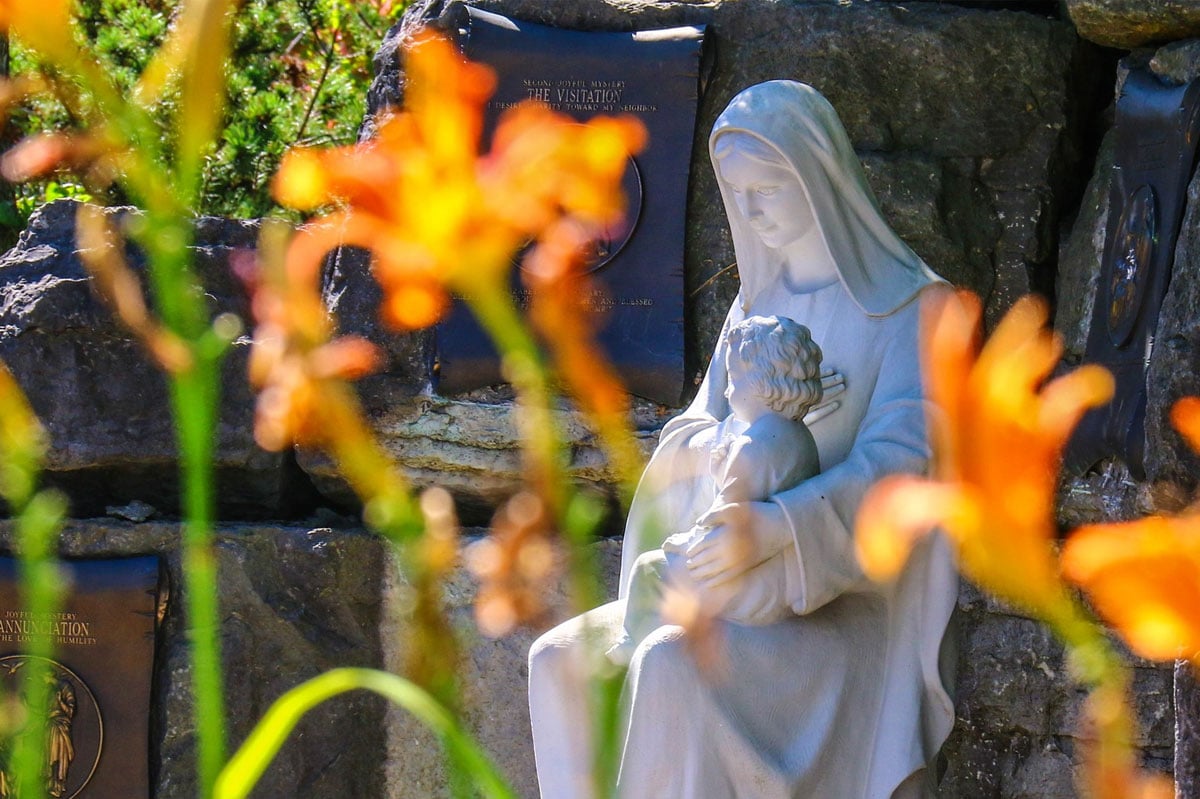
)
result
[(767, 195)]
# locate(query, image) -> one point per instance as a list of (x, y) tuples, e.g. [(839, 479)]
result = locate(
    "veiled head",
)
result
[(783, 128), (765, 189)]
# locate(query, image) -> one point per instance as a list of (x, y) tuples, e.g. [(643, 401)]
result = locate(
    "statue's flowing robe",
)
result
[(846, 698)]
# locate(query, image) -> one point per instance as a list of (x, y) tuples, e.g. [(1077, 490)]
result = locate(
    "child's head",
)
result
[(775, 361)]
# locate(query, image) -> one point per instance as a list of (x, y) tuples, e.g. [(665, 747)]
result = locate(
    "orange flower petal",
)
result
[(347, 358), (1065, 400), (899, 511), (950, 337), (1144, 578), (1185, 415), (35, 156), (300, 182), (413, 305)]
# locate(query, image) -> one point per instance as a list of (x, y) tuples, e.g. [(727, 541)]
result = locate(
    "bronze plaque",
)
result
[(97, 722), (1157, 128), (638, 267)]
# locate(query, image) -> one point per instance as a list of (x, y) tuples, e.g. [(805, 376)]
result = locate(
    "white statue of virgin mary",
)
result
[(840, 693)]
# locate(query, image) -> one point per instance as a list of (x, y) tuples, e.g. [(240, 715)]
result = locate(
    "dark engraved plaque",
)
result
[(97, 722), (1157, 129), (638, 266)]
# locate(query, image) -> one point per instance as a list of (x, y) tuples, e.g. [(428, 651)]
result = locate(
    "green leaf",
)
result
[(243, 771)]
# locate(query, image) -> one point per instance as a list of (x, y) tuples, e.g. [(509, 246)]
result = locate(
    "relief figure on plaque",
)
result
[(60, 751), (53, 724), (834, 687)]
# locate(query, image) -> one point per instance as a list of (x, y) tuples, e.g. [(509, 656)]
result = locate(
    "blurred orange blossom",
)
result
[(1143, 576), (295, 363), (997, 428), (44, 25), (439, 218), (513, 565)]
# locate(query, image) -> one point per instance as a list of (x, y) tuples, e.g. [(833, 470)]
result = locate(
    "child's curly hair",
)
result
[(787, 362)]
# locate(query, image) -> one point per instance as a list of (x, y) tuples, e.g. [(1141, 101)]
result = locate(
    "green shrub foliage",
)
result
[(299, 75)]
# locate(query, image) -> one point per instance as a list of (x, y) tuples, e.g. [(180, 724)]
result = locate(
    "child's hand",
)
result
[(734, 538)]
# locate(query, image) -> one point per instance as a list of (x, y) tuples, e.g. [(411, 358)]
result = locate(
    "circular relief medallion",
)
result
[(1136, 238), (69, 722), (614, 237)]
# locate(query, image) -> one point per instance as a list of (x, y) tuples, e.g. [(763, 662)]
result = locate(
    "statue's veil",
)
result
[(880, 272)]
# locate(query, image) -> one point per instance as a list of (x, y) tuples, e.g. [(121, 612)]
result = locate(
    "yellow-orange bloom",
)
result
[(997, 428), (1143, 576), (295, 363), (439, 218), (513, 566), (44, 25)]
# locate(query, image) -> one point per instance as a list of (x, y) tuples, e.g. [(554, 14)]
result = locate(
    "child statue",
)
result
[(761, 447)]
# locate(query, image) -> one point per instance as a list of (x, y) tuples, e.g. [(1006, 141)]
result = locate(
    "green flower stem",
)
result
[(525, 368), (195, 398), (577, 515), (1097, 664), (42, 589), (195, 417)]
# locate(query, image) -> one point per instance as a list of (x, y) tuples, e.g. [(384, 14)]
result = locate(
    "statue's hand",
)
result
[(833, 384), (735, 538)]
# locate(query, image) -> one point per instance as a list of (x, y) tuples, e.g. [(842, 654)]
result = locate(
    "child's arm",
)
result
[(775, 454)]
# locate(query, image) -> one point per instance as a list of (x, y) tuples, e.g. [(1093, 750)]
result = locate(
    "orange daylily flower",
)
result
[(997, 432), (296, 364), (1143, 576), (44, 25), (439, 218)]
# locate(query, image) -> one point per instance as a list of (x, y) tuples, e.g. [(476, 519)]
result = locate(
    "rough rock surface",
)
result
[(1187, 731), (1134, 23), (1177, 62), (469, 445), (1019, 711), (102, 400), (1080, 256), (1175, 362), (294, 603)]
